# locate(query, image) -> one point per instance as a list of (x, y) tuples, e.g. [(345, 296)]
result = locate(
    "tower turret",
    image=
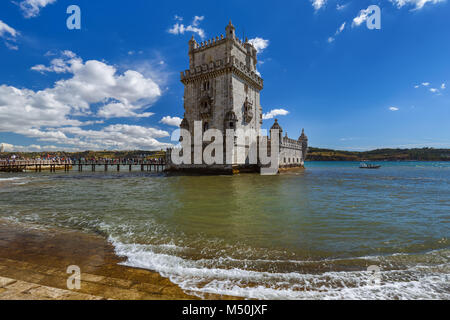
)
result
[(192, 43), (230, 31), (303, 139), (251, 58), (276, 126)]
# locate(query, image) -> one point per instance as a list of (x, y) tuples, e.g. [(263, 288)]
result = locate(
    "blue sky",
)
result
[(114, 84)]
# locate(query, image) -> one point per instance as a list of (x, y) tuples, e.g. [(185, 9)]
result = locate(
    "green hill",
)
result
[(424, 154), (314, 154)]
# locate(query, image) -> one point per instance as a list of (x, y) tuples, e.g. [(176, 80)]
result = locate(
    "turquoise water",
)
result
[(307, 234)]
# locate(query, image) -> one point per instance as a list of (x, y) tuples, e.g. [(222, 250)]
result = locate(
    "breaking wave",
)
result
[(215, 276)]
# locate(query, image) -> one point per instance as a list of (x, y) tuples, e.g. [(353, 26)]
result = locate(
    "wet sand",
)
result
[(33, 265)]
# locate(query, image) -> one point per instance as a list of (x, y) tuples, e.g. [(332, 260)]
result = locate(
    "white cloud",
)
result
[(433, 90), (418, 4), (5, 29), (119, 137), (340, 7), (259, 43), (362, 17), (180, 28), (97, 82), (9, 34), (11, 46), (171, 121), (31, 8), (31, 148), (121, 110), (394, 108), (275, 112), (317, 4), (68, 62), (338, 31), (197, 20), (49, 114)]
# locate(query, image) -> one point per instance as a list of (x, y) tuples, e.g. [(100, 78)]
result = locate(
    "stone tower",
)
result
[(221, 87), (222, 91)]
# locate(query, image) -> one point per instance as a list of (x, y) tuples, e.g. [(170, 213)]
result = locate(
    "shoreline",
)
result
[(34, 262)]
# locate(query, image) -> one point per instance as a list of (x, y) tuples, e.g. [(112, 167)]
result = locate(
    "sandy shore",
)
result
[(33, 265)]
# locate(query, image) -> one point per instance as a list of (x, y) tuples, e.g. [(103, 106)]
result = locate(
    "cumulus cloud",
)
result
[(418, 4), (171, 121), (434, 90), (31, 8), (96, 82), (119, 137), (443, 86), (180, 28), (275, 112), (317, 4), (394, 108), (9, 34), (93, 89), (259, 43), (66, 63), (31, 148)]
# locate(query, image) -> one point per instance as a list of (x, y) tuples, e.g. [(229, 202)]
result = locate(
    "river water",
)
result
[(309, 234)]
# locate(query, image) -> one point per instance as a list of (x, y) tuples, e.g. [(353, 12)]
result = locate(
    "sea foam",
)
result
[(193, 277)]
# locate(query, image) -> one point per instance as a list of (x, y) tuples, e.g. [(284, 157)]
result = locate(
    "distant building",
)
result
[(222, 90), (2, 147)]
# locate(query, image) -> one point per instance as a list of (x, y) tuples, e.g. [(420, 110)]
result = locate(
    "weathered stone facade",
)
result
[(222, 89), (292, 152)]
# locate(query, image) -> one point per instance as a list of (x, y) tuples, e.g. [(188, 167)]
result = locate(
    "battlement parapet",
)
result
[(291, 143), (197, 47), (230, 63)]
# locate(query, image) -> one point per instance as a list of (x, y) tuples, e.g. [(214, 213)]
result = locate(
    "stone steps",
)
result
[(12, 289), (24, 280)]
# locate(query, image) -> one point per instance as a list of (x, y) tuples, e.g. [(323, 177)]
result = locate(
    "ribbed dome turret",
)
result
[(303, 136), (276, 126)]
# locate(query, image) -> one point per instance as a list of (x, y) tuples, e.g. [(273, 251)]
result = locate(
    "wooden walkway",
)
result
[(80, 165)]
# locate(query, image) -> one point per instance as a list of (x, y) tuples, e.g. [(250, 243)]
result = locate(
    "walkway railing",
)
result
[(14, 165)]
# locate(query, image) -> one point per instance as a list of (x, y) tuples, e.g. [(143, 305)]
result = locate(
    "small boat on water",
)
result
[(364, 165)]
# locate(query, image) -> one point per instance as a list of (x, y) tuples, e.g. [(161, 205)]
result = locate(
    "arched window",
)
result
[(205, 127), (230, 120)]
